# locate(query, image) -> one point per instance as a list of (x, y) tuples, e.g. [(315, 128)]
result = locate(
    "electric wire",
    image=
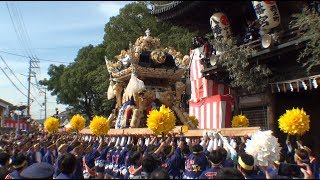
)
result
[(15, 54), (12, 82)]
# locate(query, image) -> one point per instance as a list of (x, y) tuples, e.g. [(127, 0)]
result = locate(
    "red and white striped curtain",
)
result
[(208, 101), (212, 112)]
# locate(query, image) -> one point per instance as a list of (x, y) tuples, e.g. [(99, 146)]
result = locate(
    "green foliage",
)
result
[(311, 22), (132, 22), (83, 84), (250, 77)]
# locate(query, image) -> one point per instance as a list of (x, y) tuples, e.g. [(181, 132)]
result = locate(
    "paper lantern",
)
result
[(267, 13), (220, 26)]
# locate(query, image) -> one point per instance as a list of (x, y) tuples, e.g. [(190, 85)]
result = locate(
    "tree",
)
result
[(132, 22), (82, 84), (310, 21)]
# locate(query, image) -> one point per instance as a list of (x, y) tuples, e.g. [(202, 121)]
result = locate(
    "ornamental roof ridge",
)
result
[(156, 9)]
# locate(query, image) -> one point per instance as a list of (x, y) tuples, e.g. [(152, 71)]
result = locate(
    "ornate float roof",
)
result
[(148, 60)]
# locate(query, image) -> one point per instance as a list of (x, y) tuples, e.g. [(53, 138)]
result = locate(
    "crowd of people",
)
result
[(79, 156)]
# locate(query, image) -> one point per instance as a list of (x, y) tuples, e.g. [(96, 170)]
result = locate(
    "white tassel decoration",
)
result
[(110, 93), (134, 86)]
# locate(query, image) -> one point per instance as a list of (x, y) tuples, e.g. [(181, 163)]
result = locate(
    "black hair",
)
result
[(18, 160), (159, 173), (302, 153), (150, 163), (248, 160), (223, 152), (229, 173), (167, 149), (215, 157), (196, 149), (134, 156), (151, 148), (4, 158), (185, 151), (67, 163)]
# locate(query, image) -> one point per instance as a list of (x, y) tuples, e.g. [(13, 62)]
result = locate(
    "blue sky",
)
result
[(56, 30)]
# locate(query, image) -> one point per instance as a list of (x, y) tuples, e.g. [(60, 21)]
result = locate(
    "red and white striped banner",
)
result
[(16, 124), (210, 102), (212, 112), (200, 86)]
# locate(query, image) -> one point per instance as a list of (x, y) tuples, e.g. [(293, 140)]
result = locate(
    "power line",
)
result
[(15, 54), (19, 79), (13, 73), (19, 36), (12, 82)]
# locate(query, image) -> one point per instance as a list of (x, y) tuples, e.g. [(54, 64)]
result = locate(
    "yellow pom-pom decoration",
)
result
[(51, 124), (194, 121), (240, 121), (162, 121), (99, 125), (184, 129), (294, 122), (77, 122)]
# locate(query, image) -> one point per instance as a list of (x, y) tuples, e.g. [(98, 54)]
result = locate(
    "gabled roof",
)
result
[(3, 102)]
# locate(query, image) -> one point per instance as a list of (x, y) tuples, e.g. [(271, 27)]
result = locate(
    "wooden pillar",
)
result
[(271, 121), (235, 95)]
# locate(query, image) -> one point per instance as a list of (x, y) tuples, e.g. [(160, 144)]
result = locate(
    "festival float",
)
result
[(146, 78)]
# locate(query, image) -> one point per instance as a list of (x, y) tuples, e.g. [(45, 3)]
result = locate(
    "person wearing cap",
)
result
[(67, 166), (196, 163), (19, 164), (215, 158), (40, 170), (48, 157)]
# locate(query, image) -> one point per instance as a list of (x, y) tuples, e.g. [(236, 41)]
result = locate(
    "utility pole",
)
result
[(45, 103), (29, 83), (44, 90), (32, 65)]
